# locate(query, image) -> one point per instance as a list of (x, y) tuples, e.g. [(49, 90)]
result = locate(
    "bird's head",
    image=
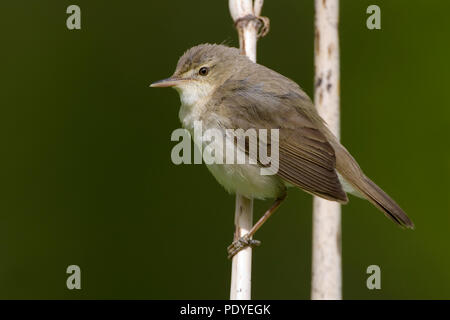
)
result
[(202, 69)]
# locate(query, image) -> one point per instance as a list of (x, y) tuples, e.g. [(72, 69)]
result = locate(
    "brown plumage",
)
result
[(237, 93)]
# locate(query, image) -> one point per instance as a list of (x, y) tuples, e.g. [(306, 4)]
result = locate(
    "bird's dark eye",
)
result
[(203, 71)]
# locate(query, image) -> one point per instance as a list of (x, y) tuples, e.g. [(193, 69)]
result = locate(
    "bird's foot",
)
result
[(240, 244)]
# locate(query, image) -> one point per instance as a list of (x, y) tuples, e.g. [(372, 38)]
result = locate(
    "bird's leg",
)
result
[(246, 240)]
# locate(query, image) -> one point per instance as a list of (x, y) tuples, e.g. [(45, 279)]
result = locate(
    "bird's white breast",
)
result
[(245, 179), (194, 97)]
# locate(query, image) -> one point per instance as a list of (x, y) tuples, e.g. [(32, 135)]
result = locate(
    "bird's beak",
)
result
[(169, 82)]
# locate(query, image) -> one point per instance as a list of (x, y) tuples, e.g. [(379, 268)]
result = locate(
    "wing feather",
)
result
[(306, 158)]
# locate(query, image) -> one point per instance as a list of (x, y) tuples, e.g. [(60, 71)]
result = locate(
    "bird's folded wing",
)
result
[(306, 158)]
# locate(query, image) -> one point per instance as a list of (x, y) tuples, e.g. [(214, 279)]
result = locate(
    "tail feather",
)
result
[(382, 201), (352, 173)]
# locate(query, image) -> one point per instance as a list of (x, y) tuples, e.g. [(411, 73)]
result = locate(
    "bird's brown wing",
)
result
[(306, 158)]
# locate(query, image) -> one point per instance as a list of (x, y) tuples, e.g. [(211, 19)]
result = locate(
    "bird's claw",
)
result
[(240, 244)]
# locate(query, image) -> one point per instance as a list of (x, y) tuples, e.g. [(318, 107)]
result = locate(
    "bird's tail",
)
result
[(381, 200), (347, 166)]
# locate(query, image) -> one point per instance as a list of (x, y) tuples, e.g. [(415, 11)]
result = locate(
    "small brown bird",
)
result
[(225, 90)]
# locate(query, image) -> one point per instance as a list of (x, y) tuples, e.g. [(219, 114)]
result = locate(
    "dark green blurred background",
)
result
[(86, 176)]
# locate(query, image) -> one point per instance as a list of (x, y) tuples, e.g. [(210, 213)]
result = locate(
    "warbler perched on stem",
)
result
[(225, 90)]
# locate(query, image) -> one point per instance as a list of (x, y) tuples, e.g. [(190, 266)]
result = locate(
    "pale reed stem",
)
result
[(327, 260), (241, 271)]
